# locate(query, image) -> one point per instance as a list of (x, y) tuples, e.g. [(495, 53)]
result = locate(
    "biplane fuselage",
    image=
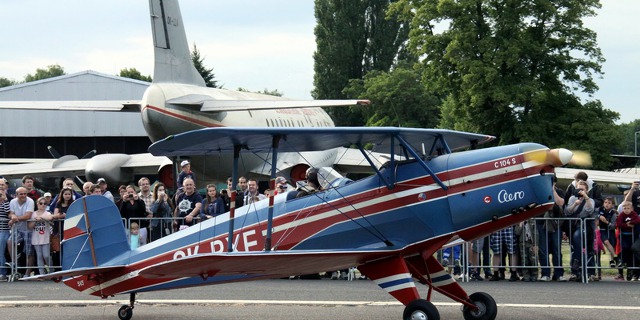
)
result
[(346, 225)]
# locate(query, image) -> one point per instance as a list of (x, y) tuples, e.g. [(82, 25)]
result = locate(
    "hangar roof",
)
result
[(86, 85)]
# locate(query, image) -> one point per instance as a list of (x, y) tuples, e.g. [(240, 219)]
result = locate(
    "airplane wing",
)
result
[(102, 164), (224, 139), (264, 264), (612, 182), (80, 105)]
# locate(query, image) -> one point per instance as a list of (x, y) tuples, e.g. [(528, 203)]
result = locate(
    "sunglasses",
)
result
[(43, 203)]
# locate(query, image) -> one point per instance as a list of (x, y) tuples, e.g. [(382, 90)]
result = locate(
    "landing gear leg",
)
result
[(126, 311)]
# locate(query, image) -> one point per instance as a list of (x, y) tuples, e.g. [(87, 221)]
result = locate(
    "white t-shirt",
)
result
[(42, 229), (20, 210)]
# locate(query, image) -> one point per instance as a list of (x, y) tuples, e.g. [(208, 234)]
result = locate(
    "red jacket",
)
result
[(624, 218)]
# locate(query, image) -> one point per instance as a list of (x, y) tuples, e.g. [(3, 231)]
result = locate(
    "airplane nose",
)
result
[(559, 157)]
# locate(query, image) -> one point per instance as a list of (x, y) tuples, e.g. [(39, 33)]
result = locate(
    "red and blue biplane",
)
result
[(389, 224)]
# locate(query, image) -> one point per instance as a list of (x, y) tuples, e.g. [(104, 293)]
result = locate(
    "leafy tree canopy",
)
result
[(207, 74), (133, 73), (53, 70)]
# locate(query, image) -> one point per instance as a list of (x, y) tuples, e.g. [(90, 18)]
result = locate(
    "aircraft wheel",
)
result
[(125, 312), (487, 308), (420, 309)]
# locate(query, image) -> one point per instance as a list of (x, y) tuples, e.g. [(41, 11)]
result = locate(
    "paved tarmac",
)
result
[(321, 299)]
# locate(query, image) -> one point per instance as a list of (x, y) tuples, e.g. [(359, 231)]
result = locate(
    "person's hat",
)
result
[(47, 194), (101, 181), (184, 163), (280, 180)]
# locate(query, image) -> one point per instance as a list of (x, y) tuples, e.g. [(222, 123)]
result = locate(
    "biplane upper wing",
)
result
[(226, 139), (264, 264)]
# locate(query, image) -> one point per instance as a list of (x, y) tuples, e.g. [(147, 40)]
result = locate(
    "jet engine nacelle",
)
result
[(109, 166)]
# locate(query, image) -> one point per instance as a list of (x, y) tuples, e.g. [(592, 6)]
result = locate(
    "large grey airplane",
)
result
[(178, 101)]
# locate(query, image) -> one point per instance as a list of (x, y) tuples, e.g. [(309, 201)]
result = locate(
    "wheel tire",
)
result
[(487, 308), (420, 309), (125, 313)]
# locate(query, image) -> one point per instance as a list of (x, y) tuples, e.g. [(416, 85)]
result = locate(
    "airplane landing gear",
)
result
[(487, 308), (126, 311), (420, 309)]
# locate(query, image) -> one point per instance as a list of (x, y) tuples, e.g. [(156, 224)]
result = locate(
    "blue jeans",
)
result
[(578, 262), (549, 243), (4, 236)]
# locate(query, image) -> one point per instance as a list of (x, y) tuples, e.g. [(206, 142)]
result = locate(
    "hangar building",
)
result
[(29, 127)]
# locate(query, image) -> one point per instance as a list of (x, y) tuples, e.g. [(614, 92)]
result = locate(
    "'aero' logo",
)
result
[(504, 196)]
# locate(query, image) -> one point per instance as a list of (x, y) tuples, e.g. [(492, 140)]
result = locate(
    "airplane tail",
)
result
[(172, 56), (93, 233)]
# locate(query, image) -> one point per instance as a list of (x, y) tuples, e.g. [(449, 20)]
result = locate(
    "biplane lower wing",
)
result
[(267, 264)]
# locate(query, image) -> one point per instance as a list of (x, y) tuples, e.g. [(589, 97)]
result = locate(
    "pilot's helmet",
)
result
[(312, 174)]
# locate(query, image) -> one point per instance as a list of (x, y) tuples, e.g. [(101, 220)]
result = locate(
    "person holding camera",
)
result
[(162, 210), (281, 186), (133, 208), (582, 206), (634, 196)]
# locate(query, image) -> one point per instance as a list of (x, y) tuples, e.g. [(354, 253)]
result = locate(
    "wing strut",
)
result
[(421, 162), (275, 143), (232, 203), (388, 183)]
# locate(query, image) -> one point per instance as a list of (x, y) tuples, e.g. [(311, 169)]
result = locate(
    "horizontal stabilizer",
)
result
[(97, 271), (80, 105), (266, 264), (234, 105)]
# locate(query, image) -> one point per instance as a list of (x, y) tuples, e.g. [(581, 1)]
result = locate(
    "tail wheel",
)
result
[(487, 308), (420, 310), (125, 312)]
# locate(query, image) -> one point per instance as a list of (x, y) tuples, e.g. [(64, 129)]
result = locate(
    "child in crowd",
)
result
[(627, 221), (134, 235), (528, 240), (606, 224), (41, 226)]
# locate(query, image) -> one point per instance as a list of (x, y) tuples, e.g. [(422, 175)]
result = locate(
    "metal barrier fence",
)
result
[(575, 235), (581, 231)]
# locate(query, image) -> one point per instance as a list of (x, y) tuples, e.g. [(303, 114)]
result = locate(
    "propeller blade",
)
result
[(53, 152), (555, 157), (89, 154), (581, 158)]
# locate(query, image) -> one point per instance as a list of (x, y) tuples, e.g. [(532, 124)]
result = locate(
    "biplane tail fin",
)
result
[(93, 233), (171, 50)]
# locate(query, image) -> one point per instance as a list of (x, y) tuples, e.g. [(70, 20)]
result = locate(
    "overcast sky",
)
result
[(254, 44)]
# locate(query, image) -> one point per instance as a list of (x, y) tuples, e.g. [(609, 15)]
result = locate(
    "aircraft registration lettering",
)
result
[(181, 254), (504, 196), (220, 245), (505, 163)]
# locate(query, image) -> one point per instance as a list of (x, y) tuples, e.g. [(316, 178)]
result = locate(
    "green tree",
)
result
[(510, 67), (133, 73), (273, 92), (207, 74), (398, 98), (4, 82), (53, 70), (353, 37)]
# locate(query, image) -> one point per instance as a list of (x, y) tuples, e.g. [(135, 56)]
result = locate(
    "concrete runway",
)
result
[(321, 299)]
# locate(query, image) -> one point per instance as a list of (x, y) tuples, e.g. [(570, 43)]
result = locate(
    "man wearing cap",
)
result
[(102, 183), (185, 173), (47, 197)]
